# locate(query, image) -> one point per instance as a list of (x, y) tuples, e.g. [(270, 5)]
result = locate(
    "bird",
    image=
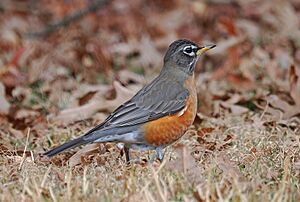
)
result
[(157, 115)]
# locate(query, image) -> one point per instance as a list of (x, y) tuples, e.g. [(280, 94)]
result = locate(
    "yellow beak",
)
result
[(204, 49)]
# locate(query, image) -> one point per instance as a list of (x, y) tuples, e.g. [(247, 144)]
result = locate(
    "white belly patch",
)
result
[(131, 137), (182, 111)]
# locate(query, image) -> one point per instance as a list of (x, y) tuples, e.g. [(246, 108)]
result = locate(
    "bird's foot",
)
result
[(159, 155)]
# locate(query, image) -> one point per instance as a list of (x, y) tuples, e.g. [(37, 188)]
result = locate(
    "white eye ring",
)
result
[(190, 50)]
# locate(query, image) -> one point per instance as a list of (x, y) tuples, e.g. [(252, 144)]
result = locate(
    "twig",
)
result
[(24, 152), (67, 20), (45, 177), (52, 195)]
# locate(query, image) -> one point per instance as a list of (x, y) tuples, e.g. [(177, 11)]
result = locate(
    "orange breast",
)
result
[(168, 129)]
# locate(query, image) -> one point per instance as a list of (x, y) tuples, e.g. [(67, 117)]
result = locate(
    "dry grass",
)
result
[(240, 160), (246, 149)]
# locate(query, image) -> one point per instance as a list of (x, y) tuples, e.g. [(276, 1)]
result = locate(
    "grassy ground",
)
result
[(57, 80), (236, 160)]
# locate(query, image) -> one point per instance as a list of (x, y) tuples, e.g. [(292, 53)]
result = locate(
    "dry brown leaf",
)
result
[(11, 76), (127, 76), (297, 165), (97, 103), (232, 100), (204, 131), (223, 46), (277, 68), (122, 94), (24, 113), (206, 100), (86, 150), (250, 28), (225, 164), (185, 163), (149, 54), (78, 113), (231, 62), (81, 92), (294, 79), (249, 70), (234, 108), (228, 24), (4, 104), (16, 133), (281, 109), (10, 29), (238, 110), (285, 12)]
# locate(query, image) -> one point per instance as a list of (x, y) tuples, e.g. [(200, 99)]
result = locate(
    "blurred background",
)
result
[(66, 64), (72, 60)]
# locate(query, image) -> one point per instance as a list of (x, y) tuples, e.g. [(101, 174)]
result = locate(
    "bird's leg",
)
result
[(129, 160), (160, 153), (127, 154)]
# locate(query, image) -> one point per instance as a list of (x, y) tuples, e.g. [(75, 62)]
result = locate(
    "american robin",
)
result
[(159, 114)]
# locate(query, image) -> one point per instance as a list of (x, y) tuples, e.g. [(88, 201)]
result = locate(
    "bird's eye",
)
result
[(188, 50)]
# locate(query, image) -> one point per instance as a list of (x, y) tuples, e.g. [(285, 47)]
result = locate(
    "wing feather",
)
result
[(150, 103)]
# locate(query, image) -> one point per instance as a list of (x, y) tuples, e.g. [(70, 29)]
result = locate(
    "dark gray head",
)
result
[(183, 54)]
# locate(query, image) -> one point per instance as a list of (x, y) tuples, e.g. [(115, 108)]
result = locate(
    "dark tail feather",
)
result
[(68, 145)]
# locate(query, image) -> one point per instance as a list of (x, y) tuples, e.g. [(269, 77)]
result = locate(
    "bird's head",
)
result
[(183, 54)]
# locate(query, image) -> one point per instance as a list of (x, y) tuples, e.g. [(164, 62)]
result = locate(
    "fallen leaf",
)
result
[(285, 12), (240, 83), (24, 113), (238, 110), (205, 97), (97, 103), (232, 49), (297, 165), (185, 163), (280, 109), (224, 45), (234, 108), (227, 166), (16, 133), (294, 79), (86, 150), (4, 104), (149, 54), (250, 28), (11, 76), (228, 24), (203, 131), (126, 76)]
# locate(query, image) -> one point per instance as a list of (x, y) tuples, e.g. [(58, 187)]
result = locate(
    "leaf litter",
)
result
[(244, 144)]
